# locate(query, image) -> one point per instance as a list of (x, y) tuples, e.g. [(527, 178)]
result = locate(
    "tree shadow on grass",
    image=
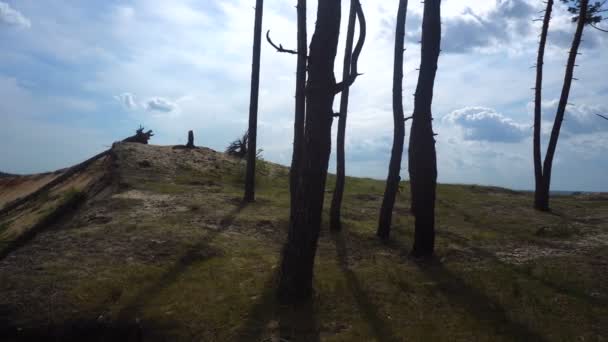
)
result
[(198, 252), (559, 288), (368, 309), (268, 320), (484, 308)]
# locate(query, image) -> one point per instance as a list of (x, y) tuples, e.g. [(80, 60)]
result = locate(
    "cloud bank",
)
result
[(12, 17)]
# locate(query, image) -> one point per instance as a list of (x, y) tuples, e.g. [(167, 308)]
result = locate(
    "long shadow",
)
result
[(123, 327), (283, 322), (561, 289), (62, 212), (199, 252), (380, 328), (564, 290), (479, 305)]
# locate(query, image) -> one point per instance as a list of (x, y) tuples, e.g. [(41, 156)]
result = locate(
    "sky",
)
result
[(76, 76)]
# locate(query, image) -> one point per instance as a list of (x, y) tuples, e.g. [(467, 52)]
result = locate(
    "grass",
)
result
[(188, 261)]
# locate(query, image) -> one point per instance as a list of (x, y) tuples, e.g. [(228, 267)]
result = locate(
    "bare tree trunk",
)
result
[(561, 108), (300, 109), (336, 203), (296, 273), (394, 169), (540, 202), (253, 104), (422, 154)]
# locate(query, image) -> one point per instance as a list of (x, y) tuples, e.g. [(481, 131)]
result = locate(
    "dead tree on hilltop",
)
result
[(296, 270), (140, 136), (239, 147), (253, 103), (392, 181), (585, 14), (422, 153), (350, 67)]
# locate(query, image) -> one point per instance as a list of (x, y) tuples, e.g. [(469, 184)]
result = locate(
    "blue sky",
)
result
[(77, 75)]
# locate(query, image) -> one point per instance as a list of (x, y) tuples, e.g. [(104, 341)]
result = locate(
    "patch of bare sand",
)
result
[(524, 253), (15, 187)]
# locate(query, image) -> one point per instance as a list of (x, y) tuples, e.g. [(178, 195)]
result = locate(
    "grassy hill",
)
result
[(153, 243)]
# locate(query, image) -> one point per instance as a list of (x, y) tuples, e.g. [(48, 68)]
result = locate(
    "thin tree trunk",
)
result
[(300, 109), (422, 154), (540, 202), (561, 108), (296, 273), (394, 169), (253, 104), (336, 203)]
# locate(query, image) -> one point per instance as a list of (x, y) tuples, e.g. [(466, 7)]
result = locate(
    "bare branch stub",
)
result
[(356, 52), (279, 47)]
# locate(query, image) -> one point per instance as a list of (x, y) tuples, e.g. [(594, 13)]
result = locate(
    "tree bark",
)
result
[(300, 107), (394, 169), (296, 273), (336, 203), (540, 202), (561, 108), (422, 154), (253, 104)]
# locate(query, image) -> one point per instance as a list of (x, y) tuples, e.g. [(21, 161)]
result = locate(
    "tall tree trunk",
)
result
[(295, 281), (540, 202), (422, 154), (394, 169), (561, 108), (300, 109), (336, 203), (253, 104)]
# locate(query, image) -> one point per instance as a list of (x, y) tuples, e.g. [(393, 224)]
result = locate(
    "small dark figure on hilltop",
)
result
[(189, 145), (140, 136)]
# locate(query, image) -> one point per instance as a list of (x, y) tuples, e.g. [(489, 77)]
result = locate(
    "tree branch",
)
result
[(280, 47), (352, 76), (602, 116), (597, 28)]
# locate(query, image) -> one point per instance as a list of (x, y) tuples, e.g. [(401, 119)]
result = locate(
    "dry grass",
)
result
[(172, 254)]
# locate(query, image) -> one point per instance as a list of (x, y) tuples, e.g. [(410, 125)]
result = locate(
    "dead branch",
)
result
[(280, 47), (356, 52)]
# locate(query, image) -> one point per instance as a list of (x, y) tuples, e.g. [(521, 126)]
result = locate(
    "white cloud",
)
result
[(485, 124), (578, 119), (127, 100), (194, 58), (11, 16), (160, 104)]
